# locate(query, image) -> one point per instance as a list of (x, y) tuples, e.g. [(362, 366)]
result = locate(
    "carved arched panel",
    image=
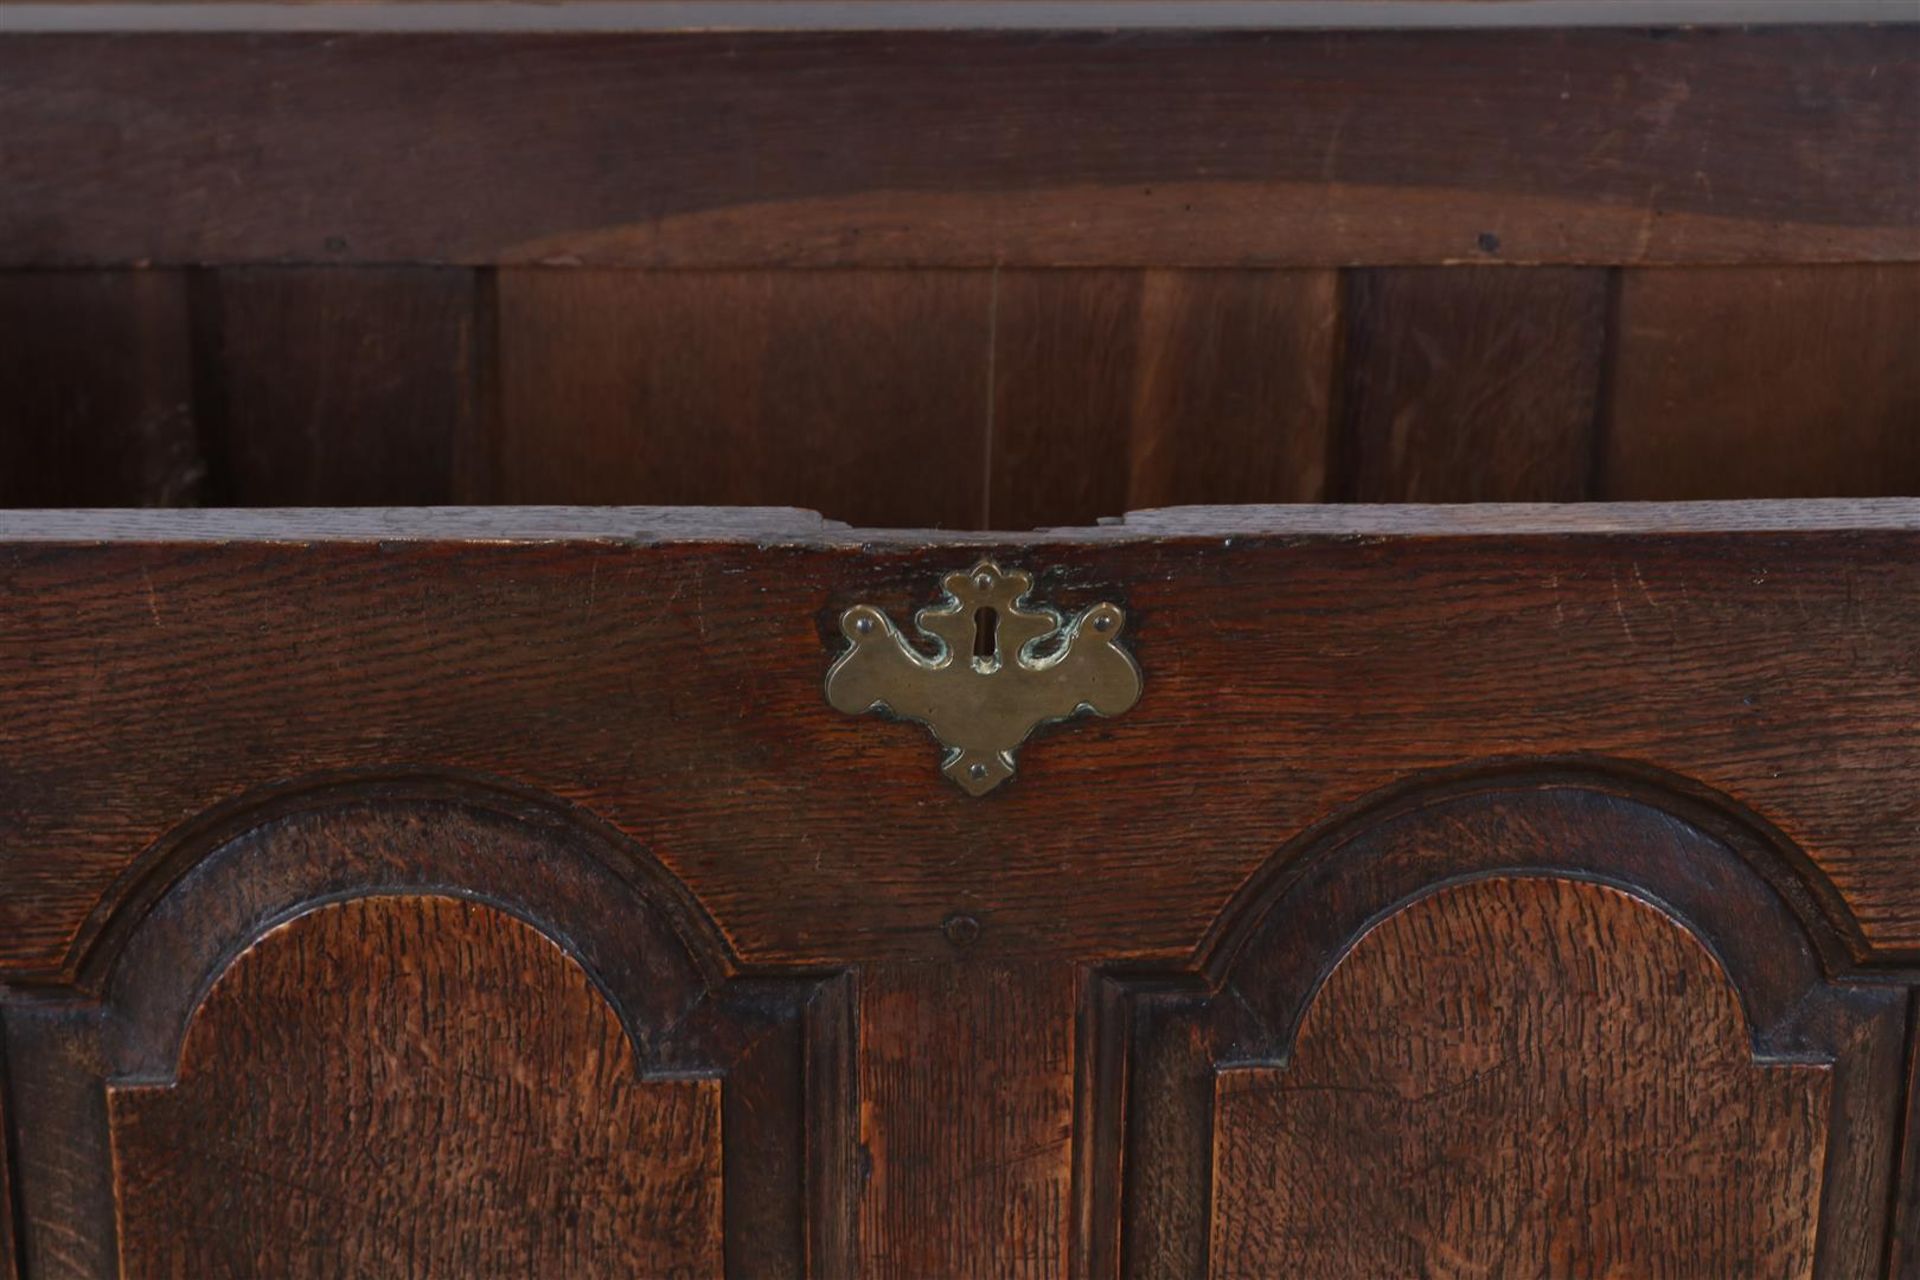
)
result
[(1512, 1028), (1523, 1076), (414, 1086), (419, 1027)]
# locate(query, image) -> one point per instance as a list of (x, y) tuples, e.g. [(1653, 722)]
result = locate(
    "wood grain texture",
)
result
[(341, 387), (1765, 382), (1400, 519), (770, 1043), (862, 394), (63, 1190), (1121, 389), (1164, 1232), (452, 1095), (1471, 384), (966, 1116), (794, 528), (1903, 1242), (1521, 1077), (969, 15), (1725, 889), (96, 391), (614, 727), (1286, 677), (964, 148), (9, 1237)]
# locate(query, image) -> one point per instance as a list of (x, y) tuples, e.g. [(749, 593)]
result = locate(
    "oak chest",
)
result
[(1459, 824)]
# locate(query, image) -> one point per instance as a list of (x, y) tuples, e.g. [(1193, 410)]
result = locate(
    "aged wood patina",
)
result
[(477, 886)]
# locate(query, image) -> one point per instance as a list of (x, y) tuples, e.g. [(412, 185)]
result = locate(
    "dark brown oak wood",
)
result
[(963, 148), (967, 1102), (1589, 1057), (1590, 1006), (336, 387), (656, 967), (674, 689), (874, 396), (97, 391), (1512, 889), (1765, 382), (861, 393), (1065, 351), (451, 1094), (661, 527), (291, 800), (1903, 1243), (897, 15), (1011, 398), (1471, 384), (9, 1236), (66, 1209), (1120, 389)]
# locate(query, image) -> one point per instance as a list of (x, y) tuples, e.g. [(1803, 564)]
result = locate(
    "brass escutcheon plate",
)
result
[(1000, 668)]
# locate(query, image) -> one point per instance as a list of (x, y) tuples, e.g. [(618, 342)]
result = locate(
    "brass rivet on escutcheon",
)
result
[(1000, 668)]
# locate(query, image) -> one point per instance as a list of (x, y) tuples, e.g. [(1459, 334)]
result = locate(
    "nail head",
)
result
[(961, 929)]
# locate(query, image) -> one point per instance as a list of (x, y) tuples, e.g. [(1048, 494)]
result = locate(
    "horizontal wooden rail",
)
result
[(1137, 148), (920, 15)]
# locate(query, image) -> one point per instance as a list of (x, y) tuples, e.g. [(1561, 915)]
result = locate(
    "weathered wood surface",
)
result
[(450, 1095), (1119, 389), (920, 15), (1764, 382), (963, 148), (1339, 987), (97, 390), (996, 399), (326, 388), (1551, 1060), (1471, 384), (860, 393), (456, 1044), (9, 1232), (953, 1036), (967, 1106), (675, 689), (1903, 1249)]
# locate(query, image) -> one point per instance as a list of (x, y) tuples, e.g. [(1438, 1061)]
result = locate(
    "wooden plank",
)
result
[(861, 394), (9, 1236), (1065, 348), (674, 690), (62, 1195), (966, 1090), (96, 391), (1119, 389), (1765, 382), (1903, 1242), (789, 527), (912, 15), (342, 387), (964, 148), (1471, 384)]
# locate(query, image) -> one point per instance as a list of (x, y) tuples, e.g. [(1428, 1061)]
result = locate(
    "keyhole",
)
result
[(986, 622)]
